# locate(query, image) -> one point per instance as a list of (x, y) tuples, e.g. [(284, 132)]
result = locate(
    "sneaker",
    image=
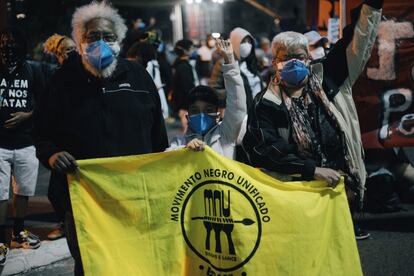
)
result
[(58, 233), (3, 253), (361, 234), (25, 240)]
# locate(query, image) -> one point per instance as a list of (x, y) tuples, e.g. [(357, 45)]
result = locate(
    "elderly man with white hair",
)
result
[(99, 105), (305, 122)]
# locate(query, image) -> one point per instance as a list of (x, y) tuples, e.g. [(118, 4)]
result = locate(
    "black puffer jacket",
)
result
[(91, 118)]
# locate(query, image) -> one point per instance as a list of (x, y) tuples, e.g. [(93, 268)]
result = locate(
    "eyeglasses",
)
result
[(95, 36), (283, 58)]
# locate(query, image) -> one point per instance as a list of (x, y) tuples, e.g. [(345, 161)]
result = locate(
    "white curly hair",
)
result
[(287, 40), (94, 10)]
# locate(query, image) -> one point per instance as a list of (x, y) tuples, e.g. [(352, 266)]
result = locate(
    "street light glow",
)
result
[(216, 35), (189, 1)]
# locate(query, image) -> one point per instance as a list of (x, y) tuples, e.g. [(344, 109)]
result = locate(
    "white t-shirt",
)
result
[(153, 69), (254, 80)]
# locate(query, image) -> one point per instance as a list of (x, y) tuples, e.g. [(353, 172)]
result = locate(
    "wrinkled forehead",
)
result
[(99, 25), (287, 53)]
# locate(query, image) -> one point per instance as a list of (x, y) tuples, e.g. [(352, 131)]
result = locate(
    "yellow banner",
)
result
[(198, 213)]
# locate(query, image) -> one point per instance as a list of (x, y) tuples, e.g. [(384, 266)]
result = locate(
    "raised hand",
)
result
[(225, 49)]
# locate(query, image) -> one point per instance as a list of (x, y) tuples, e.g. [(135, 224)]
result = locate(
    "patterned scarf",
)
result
[(303, 133)]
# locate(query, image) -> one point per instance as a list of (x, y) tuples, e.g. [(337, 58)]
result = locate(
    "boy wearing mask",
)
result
[(204, 127)]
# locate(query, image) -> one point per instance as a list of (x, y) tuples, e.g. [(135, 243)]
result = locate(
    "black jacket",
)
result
[(183, 82), (91, 118)]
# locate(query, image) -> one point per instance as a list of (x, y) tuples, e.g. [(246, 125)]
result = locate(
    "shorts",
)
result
[(23, 165)]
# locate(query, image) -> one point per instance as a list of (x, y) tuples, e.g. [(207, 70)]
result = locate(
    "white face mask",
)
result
[(245, 49), (317, 53)]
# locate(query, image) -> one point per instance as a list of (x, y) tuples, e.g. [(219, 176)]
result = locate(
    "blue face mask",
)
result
[(194, 55), (294, 72), (99, 54), (141, 25), (161, 47), (201, 123)]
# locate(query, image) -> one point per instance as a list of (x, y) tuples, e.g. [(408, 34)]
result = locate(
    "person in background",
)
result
[(204, 125), (204, 62), (139, 24), (265, 49), (243, 44), (390, 179), (61, 48), (99, 105), (165, 71), (184, 79), (20, 85), (146, 54), (306, 122), (264, 57), (244, 50)]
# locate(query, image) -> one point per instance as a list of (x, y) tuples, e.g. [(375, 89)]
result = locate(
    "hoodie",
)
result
[(236, 37)]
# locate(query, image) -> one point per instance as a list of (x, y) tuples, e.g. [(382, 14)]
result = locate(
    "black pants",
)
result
[(73, 243), (60, 195), (57, 194)]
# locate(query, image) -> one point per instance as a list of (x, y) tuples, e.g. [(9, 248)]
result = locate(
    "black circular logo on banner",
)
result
[(218, 225)]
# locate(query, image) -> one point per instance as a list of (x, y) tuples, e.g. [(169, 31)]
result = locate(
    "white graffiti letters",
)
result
[(14, 95), (388, 33), (394, 100)]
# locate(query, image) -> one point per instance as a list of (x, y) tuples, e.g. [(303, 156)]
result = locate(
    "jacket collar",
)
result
[(272, 94)]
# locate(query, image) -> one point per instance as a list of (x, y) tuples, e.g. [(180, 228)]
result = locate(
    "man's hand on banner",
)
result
[(331, 176), (196, 145), (63, 162)]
